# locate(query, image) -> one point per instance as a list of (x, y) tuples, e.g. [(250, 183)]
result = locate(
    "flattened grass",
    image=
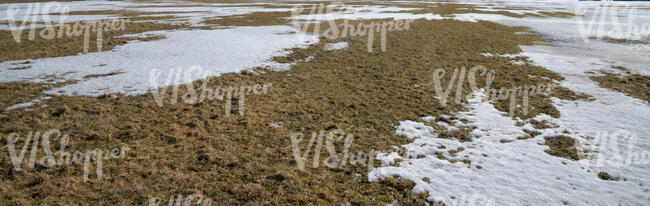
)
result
[(562, 146), (634, 85), (67, 46), (252, 19)]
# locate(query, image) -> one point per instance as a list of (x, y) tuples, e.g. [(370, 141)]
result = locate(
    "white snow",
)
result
[(610, 112), (520, 172), (335, 46), (472, 17), (411, 129), (428, 118), (572, 35), (216, 51), (275, 125), (341, 11), (518, 62), (388, 158), (487, 54), (365, 15), (363, 12), (28, 104), (37, 12), (514, 173), (514, 11)]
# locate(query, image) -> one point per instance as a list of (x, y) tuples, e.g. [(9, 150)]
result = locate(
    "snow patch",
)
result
[(335, 46), (514, 173), (28, 104), (218, 51)]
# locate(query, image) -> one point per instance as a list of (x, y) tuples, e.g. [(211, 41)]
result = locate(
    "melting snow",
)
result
[(335, 46), (515, 173), (519, 172), (216, 51), (28, 104)]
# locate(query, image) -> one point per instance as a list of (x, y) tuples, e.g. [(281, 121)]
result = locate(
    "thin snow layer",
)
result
[(176, 57), (28, 104), (472, 17), (388, 158), (611, 112), (53, 20), (620, 20), (197, 17), (515, 1), (197, 14), (514, 173), (336, 46), (364, 12), (202, 12), (37, 12), (514, 11), (55, 7), (520, 172), (365, 15)]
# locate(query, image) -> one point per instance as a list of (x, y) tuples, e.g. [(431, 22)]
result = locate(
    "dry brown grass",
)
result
[(562, 146), (18, 92), (619, 41), (252, 19), (557, 14), (606, 176), (634, 85), (66, 46), (195, 148), (101, 75), (124, 13), (180, 148)]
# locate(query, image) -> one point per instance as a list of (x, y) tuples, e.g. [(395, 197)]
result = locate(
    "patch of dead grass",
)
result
[(562, 146), (557, 14), (101, 75), (619, 40), (606, 176), (18, 92), (634, 85), (252, 19), (124, 13), (67, 46)]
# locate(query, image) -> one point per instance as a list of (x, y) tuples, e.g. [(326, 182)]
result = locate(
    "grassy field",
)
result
[(242, 160)]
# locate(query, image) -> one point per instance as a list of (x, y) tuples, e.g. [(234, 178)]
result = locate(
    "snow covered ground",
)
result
[(37, 12), (514, 173), (520, 172), (215, 51)]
